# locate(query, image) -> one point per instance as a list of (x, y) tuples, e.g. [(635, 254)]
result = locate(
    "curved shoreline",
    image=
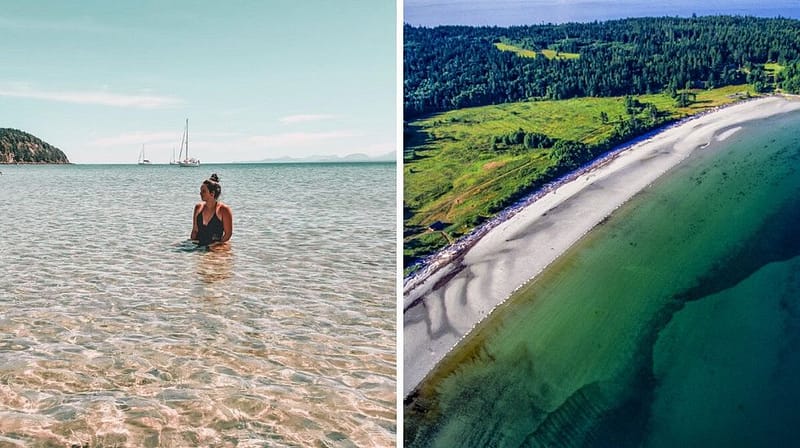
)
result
[(432, 263), (463, 284)]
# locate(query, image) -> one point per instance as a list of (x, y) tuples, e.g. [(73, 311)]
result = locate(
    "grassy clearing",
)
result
[(518, 51), (521, 52), (454, 171), (773, 67), (552, 54)]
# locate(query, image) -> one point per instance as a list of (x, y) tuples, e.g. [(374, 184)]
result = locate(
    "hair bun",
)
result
[(214, 177)]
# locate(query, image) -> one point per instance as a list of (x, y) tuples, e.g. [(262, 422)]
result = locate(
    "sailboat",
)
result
[(186, 160), (142, 159), (173, 160)]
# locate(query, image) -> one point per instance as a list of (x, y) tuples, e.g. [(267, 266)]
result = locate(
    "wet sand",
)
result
[(442, 307)]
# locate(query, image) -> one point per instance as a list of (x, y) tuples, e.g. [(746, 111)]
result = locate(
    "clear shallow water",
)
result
[(675, 323), (113, 332)]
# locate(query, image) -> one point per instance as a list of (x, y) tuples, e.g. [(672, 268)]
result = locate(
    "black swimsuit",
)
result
[(207, 234)]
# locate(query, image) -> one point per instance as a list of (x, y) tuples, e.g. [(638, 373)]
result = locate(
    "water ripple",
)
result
[(114, 333)]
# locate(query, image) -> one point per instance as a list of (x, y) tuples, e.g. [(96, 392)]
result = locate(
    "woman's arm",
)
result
[(227, 222), (194, 221)]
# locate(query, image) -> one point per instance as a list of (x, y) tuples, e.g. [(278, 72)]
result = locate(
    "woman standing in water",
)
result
[(213, 221)]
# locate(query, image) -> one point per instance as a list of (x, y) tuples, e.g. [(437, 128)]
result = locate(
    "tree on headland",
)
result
[(528, 140), (789, 78), (682, 100)]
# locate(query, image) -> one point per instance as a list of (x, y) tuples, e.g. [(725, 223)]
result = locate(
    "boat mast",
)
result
[(183, 144)]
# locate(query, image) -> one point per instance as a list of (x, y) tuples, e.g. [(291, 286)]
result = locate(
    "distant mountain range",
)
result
[(350, 158)]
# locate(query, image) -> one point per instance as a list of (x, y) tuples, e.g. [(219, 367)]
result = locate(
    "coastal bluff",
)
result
[(20, 147)]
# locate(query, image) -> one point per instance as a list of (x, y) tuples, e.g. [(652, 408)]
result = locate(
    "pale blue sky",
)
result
[(533, 12), (257, 79)]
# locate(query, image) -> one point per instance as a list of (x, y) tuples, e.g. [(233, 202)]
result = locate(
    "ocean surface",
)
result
[(114, 331), (674, 323), (536, 12)]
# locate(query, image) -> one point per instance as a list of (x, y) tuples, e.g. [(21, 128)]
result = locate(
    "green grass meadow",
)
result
[(455, 171), (521, 52)]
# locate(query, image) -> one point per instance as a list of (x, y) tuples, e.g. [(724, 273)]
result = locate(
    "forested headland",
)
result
[(452, 67), (20, 147), (492, 114)]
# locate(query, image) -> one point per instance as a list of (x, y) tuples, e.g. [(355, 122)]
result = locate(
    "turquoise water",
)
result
[(115, 332), (675, 323)]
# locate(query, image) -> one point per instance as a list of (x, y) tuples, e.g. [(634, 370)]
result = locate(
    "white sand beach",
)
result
[(442, 308)]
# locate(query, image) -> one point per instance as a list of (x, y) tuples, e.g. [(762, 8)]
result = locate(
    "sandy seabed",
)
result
[(444, 304)]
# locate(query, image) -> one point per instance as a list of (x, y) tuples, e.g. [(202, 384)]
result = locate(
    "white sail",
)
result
[(186, 160), (142, 159)]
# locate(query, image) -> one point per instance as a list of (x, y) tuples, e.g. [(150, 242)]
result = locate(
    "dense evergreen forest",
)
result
[(20, 147), (452, 67)]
